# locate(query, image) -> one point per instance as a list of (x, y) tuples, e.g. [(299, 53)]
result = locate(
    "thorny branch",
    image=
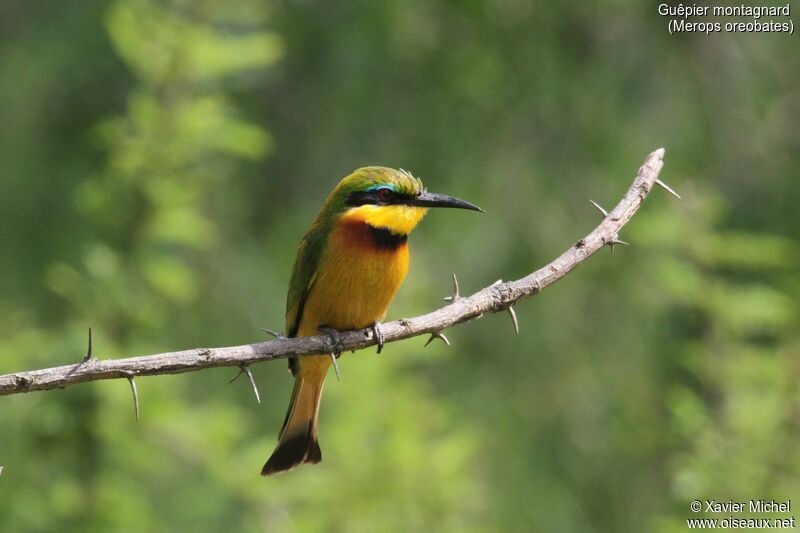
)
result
[(500, 296)]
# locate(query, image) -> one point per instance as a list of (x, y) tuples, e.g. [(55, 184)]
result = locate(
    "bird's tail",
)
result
[(297, 441)]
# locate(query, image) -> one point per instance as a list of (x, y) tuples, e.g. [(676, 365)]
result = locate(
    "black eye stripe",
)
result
[(356, 198), (361, 198)]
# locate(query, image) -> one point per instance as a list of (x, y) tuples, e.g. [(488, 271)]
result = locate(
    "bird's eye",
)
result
[(384, 195)]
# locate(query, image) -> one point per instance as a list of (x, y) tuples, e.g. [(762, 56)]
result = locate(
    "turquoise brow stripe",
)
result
[(382, 186)]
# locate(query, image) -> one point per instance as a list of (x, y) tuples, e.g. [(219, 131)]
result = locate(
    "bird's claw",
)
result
[(377, 333), (336, 347)]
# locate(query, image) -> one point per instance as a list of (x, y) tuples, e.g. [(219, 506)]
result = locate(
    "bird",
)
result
[(348, 267)]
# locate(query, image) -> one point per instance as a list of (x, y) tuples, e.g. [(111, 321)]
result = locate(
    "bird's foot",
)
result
[(377, 333), (336, 346)]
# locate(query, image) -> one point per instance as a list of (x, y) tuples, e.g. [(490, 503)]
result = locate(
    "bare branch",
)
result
[(494, 298)]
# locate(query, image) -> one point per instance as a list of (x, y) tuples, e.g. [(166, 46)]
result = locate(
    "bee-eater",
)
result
[(349, 265)]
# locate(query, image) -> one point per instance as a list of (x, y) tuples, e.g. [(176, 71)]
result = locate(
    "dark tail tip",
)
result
[(293, 452), (314, 453)]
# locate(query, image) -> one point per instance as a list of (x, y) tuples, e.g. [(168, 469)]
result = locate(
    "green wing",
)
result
[(304, 273)]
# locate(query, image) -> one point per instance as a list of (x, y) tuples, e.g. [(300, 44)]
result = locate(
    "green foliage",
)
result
[(143, 195), (733, 396)]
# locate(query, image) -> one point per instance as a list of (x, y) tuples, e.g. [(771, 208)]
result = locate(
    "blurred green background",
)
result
[(161, 161)]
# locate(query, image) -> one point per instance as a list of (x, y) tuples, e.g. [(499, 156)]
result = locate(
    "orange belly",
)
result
[(357, 280)]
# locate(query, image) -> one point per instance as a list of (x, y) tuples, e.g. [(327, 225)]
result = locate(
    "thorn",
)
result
[(498, 282), (252, 383), (244, 369), (615, 241), (277, 334), (89, 357), (378, 334), (514, 318), (456, 294), (335, 365), (135, 391), (605, 213), (438, 335), (667, 188), (239, 373)]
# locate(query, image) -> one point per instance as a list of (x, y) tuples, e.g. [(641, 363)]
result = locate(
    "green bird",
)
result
[(348, 268)]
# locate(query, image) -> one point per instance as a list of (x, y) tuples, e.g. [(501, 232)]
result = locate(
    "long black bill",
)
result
[(432, 199)]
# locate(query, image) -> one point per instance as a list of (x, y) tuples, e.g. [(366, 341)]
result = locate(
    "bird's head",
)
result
[(389, 199)]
